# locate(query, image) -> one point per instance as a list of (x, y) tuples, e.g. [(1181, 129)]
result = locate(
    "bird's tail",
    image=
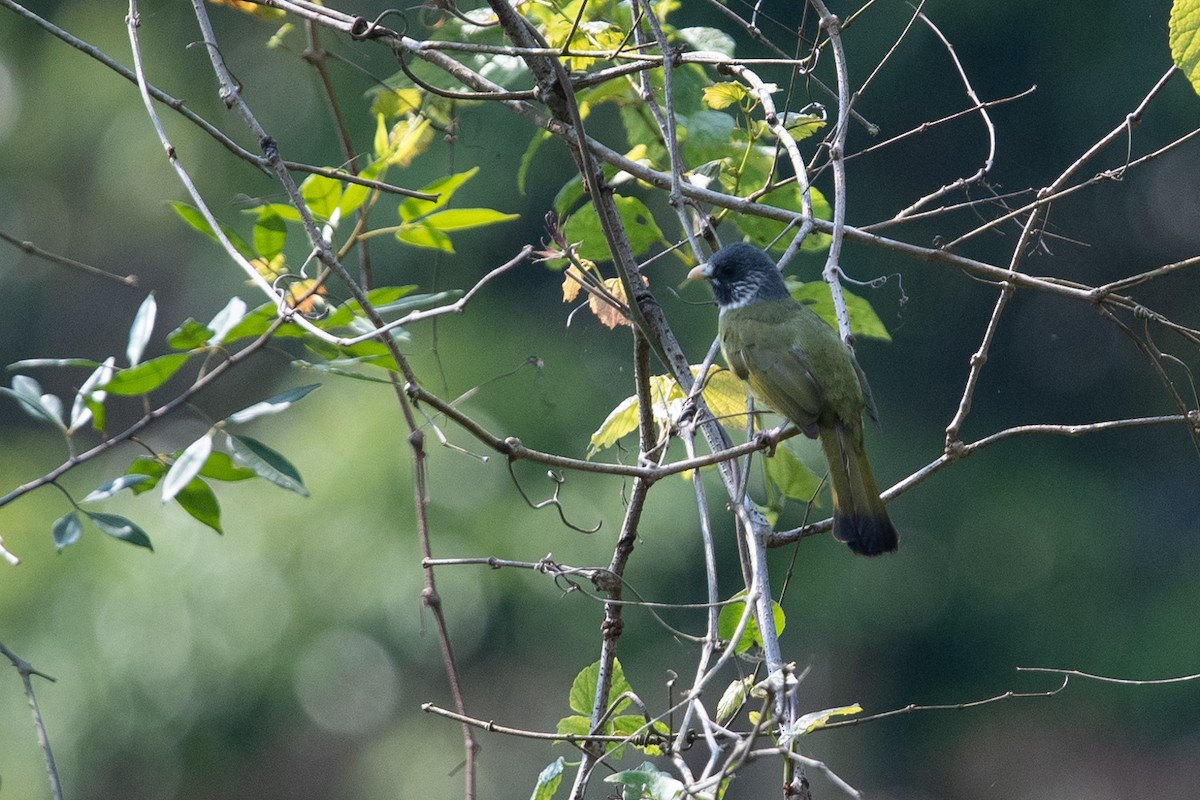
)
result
[(859, 516)]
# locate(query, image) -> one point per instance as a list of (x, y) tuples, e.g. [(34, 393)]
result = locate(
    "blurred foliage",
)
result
[(288, 658)]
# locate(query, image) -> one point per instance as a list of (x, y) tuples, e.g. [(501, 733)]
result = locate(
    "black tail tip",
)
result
[(866, 536)]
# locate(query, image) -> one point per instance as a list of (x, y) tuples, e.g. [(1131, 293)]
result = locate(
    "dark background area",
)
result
[(289, 658)]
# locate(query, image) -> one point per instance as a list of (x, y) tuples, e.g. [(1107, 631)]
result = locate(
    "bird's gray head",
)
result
[(741, 274)]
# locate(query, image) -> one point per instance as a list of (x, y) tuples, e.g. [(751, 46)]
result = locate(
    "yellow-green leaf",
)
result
[(723, 95), (444, 188), (548, 780), (725, 396), (459, 219), (802, 126), (621, 421), (1184, 37), (405, 141), (818, 719), (733, 698), (419, 234)]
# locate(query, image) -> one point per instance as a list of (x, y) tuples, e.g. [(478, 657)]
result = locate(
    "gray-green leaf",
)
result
[(272, 405)]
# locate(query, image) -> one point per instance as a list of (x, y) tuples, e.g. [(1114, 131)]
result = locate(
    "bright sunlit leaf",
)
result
[(1184, 37), (187, 466), (723, 95), (140, 329)]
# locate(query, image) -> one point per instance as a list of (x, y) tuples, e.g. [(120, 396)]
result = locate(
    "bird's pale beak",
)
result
[(701, 272)]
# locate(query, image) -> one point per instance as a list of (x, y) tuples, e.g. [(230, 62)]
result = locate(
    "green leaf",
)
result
[(266, 463), (66, 530), (460, 219), (705, 135), (583, 688), (150, 468), (789, 475), (140, 330), (285, 210), (270, 232), (147, 376), (355, 194), (272, 405), (193, 217), (548, 780), (1184, 37), (187, 466), (584, 226), (787, 197), (198, 499), (321, 195), (710, 39), (864, 322), (189, 335), (258, 322), (120, 528), (444, 188), (220, 467), (111, 487), (731, 615)]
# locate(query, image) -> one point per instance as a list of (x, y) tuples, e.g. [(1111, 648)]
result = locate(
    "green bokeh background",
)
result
[(289, 657)]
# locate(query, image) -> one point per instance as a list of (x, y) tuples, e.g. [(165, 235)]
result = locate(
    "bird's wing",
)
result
[(781, 378)]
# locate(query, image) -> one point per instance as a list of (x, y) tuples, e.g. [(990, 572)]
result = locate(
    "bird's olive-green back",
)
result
[(795, 363)]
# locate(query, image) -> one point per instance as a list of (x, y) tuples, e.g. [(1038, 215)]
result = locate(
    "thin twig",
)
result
[(54, 258), (26, 671)]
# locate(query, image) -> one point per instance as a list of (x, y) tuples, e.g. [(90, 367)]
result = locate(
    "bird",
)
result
[(797, 365)]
